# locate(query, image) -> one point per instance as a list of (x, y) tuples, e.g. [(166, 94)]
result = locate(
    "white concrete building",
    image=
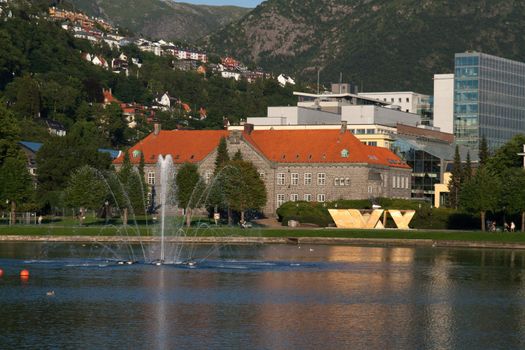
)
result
[(368, 114), (334, 109), (444, 102), (296, 116), (407, 101)]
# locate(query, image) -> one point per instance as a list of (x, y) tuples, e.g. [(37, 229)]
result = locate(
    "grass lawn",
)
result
[(68, 229)]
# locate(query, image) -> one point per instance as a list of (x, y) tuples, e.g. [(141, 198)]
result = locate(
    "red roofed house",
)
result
[(310, 165)]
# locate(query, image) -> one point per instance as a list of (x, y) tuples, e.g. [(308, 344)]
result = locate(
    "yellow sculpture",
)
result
[(364, 219)]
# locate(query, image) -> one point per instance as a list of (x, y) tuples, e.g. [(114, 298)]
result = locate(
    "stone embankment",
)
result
[(375, 242)]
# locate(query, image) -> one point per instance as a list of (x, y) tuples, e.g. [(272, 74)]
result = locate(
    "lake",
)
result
[(263, 297)]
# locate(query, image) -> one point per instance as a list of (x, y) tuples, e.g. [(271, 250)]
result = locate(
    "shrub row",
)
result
[(425, 218)]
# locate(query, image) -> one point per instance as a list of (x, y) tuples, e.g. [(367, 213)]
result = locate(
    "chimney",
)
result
[(248, 128), (344, 125), (156, 129)]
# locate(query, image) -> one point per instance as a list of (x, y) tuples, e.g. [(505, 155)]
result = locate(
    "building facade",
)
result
[(407, 101), (295, 165), (489, 99), (443, 108)]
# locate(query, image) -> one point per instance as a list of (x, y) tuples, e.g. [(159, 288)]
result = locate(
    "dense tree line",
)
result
[(43, 76), (498, 185)]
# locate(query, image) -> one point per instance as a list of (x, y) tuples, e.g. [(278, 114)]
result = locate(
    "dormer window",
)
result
[(136, 153), (344, 153)]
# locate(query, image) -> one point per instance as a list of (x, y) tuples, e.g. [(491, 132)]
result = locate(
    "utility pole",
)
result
[(318, 77)]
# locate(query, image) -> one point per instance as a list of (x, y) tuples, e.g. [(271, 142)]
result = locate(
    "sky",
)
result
[(243, 3)]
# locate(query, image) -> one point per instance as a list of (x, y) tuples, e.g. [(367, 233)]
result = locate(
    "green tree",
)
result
[(481, 194), (507, 156), (237, 155), (60, 156), (484, 153), (243, 187), (467, 171), (9, 134), (16, 185), (24, 93), (189, 189), (85, 190), (513, 192), (222, 155), (456, 180), (129, 191)]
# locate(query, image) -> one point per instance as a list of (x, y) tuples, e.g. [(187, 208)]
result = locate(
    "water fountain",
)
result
[(166, 172)]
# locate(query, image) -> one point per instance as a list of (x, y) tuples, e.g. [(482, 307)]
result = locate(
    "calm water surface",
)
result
[(264, 297)]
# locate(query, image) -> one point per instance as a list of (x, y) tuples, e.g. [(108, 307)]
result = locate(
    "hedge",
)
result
[(426, 217)]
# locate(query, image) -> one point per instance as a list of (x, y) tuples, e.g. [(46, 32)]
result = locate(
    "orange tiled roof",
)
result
[(108, 97), (319, 146), (281, 146), (183, 145)]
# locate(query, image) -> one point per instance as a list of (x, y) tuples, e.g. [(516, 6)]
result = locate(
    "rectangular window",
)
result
[(151, 178), (394, 181), (262, 175), (308, 178), (294, 197), (372, 143), (370, 189), (321, 198), (295, 179), (280, 200), (281, 178), (307, 197), (347, 181), (321, 179), (336, 181), (408, 100)]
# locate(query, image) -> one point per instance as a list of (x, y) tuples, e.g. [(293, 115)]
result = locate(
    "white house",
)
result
[(229, 74), (285, 80)]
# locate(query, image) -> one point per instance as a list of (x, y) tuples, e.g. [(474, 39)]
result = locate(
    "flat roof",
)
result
[(345, 95)]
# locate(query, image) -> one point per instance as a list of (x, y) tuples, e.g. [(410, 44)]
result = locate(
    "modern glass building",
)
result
[(489, 99), (428, 159)]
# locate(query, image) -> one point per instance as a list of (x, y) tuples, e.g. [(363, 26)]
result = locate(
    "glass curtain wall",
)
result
[(489, 99)]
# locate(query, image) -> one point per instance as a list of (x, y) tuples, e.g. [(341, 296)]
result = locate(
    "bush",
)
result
[(425, 217)]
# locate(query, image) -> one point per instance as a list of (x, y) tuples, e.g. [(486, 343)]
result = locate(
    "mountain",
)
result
[(377, 44), (162, 19)]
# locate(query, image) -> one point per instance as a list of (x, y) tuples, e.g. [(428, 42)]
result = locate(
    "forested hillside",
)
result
[(381, 44), (44, 77), (162, 19)]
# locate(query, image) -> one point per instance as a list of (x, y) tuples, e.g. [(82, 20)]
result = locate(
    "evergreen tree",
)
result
[(189, 189), (481, 194), (237, 155), (141, 166), (222, 155), (484, 154), (243, 187), (216, 196), (456, 179), (467, 171)]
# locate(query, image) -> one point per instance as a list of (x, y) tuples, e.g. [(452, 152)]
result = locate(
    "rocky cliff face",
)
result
[(162, 19), (381, 44)]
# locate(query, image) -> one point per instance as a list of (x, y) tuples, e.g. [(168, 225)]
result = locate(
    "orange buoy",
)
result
[(1, 272), (24, 274)]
